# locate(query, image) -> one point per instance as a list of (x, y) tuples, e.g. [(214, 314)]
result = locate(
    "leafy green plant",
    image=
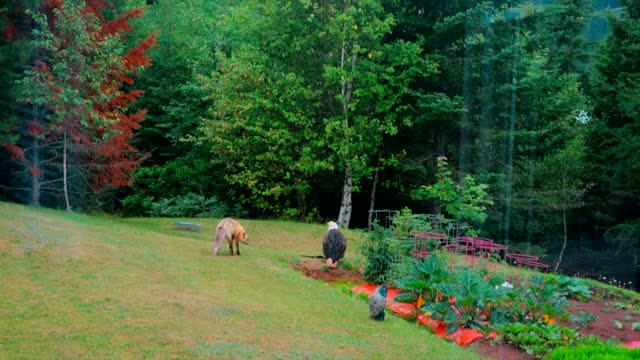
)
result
[(635, 325), (618, 324), (537, 338), (573, 288), (421, 281), (583, 319), (379, 254), (470, 298), (536, 302)]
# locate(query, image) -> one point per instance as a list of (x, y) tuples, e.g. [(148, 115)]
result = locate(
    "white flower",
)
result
[(507, 285)]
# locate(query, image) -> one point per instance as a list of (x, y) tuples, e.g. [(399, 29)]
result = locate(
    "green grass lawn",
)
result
[(74, 286)]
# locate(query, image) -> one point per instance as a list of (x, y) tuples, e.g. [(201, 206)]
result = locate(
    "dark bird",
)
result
[(377, 302), (334, 245)]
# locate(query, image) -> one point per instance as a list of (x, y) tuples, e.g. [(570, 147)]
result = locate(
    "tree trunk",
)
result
[(64, 171), (36, 174), (346, 206), (512, 122), (347, 90), (564, 243), (376, 178)]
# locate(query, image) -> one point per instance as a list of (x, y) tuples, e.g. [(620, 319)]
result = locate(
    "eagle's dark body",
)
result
[(334, 244), (377, 302)]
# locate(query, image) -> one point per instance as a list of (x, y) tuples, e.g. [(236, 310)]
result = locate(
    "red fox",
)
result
[(231, 230)]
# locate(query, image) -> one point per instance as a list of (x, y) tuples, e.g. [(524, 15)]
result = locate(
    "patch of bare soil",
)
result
[(609, 311), (316, 269), (605, 308)]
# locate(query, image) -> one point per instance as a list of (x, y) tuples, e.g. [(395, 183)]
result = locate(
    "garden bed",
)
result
[(615, 317)]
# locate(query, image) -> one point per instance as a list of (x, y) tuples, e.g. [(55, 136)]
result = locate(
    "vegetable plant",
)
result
[(421, 281), (537, 338), (537, 302), (583, 319), (469, 302), (573, 288)]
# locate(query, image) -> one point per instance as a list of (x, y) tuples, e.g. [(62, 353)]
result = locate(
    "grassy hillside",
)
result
[(75, 286)]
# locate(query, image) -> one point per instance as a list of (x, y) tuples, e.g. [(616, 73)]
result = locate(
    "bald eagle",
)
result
[(334, 245)]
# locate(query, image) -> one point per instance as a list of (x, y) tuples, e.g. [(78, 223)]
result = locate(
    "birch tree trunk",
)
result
[(346, 205)]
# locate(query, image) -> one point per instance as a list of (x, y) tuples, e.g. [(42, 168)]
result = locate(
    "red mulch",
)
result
[(604, 308)]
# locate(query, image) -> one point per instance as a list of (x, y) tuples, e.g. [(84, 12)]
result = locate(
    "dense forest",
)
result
[(320, 109)]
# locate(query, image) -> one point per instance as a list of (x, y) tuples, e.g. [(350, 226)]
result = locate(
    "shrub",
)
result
[(379, 254), (189, 205)]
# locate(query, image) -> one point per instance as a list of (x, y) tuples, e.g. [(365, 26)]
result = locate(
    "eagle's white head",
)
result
[(332, 225)]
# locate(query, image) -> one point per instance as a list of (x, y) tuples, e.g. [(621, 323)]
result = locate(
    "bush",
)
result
[(189, 205), (379, 254)]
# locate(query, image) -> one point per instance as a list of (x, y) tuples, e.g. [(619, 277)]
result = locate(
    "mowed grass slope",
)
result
[(75, 286)]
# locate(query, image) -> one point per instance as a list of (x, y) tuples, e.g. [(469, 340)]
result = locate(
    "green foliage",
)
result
[(572, 288), (379, 254), (635, 325), (421, 279), (405, 223), (189, 205), (536, 302), (469, 300), (179, 177), (618, 324), (600, 352), (527, 248), (583, 319), (465, 201), (537, 339), (267, 146)]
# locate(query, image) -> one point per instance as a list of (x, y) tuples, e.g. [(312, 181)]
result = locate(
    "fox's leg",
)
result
[(230, 246), (238, 246)]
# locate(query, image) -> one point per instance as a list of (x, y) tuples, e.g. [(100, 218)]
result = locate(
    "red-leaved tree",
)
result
[(79, 87)]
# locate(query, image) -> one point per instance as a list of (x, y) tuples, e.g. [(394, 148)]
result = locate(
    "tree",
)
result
[(366, 82), (316, 93), (562, 187), (464, 202), (77, 84), (261, 131), (614, 132)]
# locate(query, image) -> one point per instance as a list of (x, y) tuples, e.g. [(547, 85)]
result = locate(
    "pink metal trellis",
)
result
[(425, 242), (530, 261), (462, 244)]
